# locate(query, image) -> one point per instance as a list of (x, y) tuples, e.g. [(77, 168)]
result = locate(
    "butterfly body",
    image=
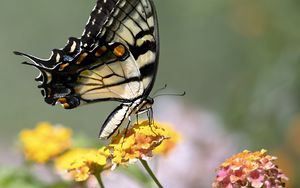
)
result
[(123, 112), (116, 59)]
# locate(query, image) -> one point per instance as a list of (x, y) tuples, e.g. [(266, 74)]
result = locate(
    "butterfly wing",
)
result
[(132, 23), (115, 59), (115, 79)]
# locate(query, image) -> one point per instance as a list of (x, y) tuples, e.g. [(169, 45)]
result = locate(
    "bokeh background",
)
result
[(238, 61)]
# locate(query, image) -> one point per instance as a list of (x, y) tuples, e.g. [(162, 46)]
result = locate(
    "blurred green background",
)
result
[(238, 59)]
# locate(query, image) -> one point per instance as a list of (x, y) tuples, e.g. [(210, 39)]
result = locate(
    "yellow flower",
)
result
[(169, 144), (45, 142), (250, 169), (81, 163), (138, 143)]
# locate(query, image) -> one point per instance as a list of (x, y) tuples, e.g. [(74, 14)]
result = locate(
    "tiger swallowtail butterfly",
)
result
[(115, 59)]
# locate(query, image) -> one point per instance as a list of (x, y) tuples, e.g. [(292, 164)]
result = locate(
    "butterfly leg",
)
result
[(150, 116), (137, 118), (127, 126), (150, 119), (126, 129)]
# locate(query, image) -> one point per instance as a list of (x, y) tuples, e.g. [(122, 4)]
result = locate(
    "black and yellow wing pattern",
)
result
[(115, 59)]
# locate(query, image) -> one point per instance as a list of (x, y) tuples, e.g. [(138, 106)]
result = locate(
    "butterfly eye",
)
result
[(120, 50)]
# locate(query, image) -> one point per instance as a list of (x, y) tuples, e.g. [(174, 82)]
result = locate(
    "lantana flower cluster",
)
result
[(45, 142), (80, 163), (138, 143), (53, 143), (250, 169)]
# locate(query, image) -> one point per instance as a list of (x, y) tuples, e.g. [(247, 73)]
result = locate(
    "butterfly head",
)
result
[(149, 101), (146, 104)]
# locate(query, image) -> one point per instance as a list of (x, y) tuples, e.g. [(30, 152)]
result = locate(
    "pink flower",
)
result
[(250, 169)]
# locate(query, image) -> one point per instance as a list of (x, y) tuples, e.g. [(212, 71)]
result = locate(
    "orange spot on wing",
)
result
[(81, 58), (100, 51), (120, 50), (62, 100), (63, 66), (66, 105)]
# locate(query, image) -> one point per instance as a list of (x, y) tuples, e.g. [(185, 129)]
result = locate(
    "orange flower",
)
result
[(45, 142), (80, 163), (168, 144), (138, 143)]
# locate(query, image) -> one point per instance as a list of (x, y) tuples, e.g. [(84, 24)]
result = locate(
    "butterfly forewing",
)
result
[(99, 16), (134, 24)]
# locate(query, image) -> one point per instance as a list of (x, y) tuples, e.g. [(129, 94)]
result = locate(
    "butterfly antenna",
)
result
[(160, 89), (171, 94)]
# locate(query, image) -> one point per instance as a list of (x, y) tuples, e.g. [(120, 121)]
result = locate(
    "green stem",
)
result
[(146, 166), (99, 179)]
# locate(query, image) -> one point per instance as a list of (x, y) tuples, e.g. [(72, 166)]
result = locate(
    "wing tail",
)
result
[(50, 63)]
